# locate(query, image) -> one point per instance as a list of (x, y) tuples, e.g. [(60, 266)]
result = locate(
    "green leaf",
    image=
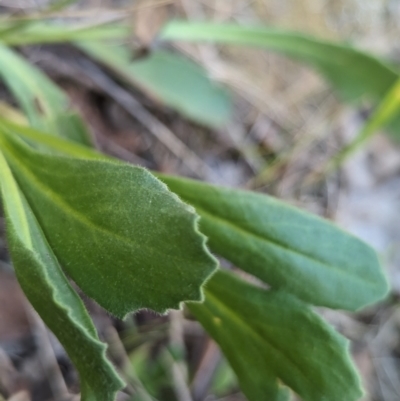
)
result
[(276, 242), (69, 125), (384, 114), (117, 231), (269, 338), (50, 293), (59, 5), (53, 143), (26, 32), (45, 105), (116, 56), (172, 79), (353, 73), (285, 247)]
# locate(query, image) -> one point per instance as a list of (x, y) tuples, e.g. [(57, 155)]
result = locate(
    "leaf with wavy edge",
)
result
[(285, 247), (118, 232)]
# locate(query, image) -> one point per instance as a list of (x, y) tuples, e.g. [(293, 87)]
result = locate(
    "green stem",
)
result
[(382, 116)]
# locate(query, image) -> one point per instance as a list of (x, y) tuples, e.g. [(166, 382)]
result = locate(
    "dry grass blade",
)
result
[(47, 357)]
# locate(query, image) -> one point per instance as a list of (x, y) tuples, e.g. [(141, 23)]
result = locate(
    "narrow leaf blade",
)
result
[(39, 32), (270, 338), (384, 114), (285, 247), (352, 72)]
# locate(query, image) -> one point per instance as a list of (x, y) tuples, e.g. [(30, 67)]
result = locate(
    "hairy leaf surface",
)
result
[(270, 337), (50, 293), (285, 247), (282, 245), (117, 231)]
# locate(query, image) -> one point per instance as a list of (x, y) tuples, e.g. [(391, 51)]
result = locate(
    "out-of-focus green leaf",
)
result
[(59, 5), (38, 96), (58, 144), (172, 79), (127, 241), (387, 110), (184, 86), (25, 32), (285, 247), (352, 72), (271, 338), (141, 373), (51, 294), (10, 113), (116, 56), (224, 380), (45, 105), (68, 124)]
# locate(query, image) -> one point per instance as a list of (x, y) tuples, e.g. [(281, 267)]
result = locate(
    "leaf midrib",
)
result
[(255, 334), (243, 231), (80, 217)]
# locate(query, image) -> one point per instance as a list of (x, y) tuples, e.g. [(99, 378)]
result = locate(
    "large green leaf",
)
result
[(117, 231), (45, 105), (285, 247), (51, 294), (271, 338), (172, 79)]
